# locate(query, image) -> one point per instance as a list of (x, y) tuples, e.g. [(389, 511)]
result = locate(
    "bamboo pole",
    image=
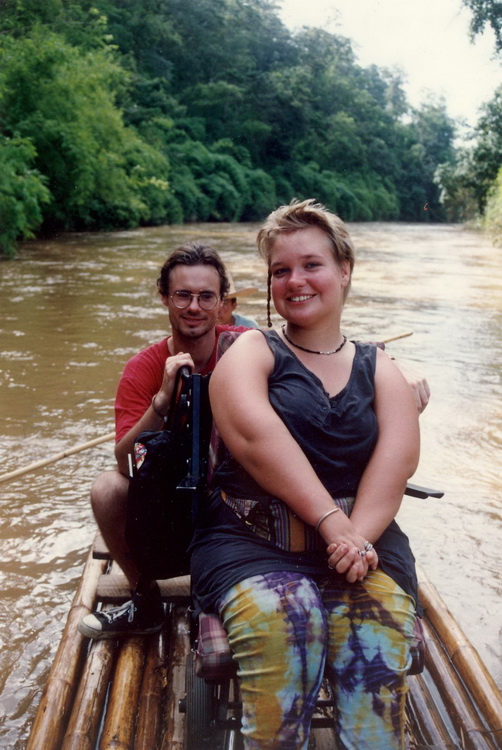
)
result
[(149, 724), (427, 726), (396, 337), (90, 699), (120, 722), (57, 457), (464, 716), (464, 656), (54, 709)]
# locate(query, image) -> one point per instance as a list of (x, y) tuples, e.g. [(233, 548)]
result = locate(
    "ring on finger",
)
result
[(367, 546), (362, 552)]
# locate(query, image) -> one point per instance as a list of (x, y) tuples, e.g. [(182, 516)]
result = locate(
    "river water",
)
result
[(75, 308)]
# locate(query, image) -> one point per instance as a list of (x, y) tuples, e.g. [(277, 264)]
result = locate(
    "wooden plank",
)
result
[(114, 587), (179, 647), (99, 549), (57, 697)]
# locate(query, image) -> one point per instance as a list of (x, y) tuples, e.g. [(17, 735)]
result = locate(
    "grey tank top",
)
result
[(337, 434)]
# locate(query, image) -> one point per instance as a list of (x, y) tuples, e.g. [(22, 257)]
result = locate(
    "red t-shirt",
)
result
[(142, 378)]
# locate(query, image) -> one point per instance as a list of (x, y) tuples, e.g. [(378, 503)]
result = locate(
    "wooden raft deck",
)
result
[(106, 695)]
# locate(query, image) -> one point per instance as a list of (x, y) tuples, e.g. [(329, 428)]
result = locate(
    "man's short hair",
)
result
[(192, 254)]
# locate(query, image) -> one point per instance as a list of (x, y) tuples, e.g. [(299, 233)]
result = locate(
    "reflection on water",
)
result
[(73, 311)]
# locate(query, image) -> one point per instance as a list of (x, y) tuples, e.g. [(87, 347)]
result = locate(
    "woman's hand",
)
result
[(352, 560), (349, 553)]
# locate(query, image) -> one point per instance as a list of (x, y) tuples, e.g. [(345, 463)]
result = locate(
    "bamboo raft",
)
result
[(125, 695)]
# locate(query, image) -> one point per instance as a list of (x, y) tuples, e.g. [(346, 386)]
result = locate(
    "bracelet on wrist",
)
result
[(157, 412), (325, 515)]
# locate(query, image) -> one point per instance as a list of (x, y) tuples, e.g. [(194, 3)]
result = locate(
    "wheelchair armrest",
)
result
[(415, 490)]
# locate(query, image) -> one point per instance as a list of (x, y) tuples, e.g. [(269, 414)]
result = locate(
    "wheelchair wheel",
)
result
[(199, 702)]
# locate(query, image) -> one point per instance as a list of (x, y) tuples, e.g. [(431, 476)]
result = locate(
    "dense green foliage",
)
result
[(22, 192), (493, 212), (470, 179), (471, 183), (128, 112)]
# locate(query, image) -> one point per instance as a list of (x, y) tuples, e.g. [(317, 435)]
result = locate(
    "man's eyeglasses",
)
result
[(205, 300)]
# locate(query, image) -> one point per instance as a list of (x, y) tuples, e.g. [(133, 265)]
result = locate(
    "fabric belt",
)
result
[(274, 521)]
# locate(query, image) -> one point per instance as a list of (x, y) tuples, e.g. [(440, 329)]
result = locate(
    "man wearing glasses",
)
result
[(192, 285)]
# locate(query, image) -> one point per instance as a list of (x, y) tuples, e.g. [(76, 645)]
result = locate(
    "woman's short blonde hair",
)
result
[(303, 215)]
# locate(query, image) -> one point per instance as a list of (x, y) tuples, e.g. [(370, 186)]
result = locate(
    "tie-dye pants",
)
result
[(285, 629)]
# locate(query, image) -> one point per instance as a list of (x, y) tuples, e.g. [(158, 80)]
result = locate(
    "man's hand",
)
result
[(173, 364), (418, 385)]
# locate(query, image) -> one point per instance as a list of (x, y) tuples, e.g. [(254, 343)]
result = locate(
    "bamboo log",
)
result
[(464, 716), (89, 701), (54, 709), (57, 457), (120, 722), (424, 717), (149, 724), (179, 647), (396, 337), (464, 656)]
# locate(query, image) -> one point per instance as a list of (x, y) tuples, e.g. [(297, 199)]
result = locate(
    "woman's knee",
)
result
[(371, 630), (277, 630), (279, 606)]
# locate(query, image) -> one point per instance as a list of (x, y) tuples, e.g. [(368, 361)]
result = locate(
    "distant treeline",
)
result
[(117, 113)]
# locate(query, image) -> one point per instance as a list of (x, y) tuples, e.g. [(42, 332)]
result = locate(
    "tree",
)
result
[(97, 170), (143, 111), (434, 131), (475, 168), (493, 213), (486, 13), (22, 193)]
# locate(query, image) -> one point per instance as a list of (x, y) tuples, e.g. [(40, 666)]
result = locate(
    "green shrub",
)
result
[(99, 172), (493, 212), (22, 193)]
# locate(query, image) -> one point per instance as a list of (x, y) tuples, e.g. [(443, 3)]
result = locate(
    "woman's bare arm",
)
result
[(394, 459)]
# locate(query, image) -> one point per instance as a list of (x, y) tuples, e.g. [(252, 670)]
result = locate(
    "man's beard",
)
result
[(194, 332)]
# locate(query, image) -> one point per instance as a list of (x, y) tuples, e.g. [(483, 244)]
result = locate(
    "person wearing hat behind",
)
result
[(228, 316)]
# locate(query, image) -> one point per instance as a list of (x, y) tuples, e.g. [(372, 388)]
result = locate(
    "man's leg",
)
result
[(144, 613), (109, 505)]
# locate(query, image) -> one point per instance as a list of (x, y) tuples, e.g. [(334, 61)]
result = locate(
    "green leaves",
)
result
[(486, 13), (100, 174), (22, 193)]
